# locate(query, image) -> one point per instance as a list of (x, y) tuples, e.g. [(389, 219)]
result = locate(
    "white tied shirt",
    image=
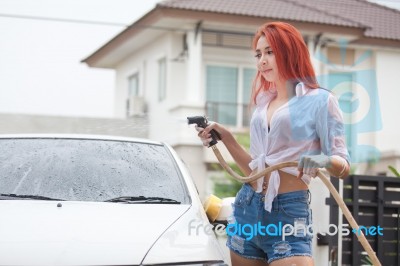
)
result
[(309, 123)]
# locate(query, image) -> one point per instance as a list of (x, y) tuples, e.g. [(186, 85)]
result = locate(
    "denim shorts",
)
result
[(254, 233)]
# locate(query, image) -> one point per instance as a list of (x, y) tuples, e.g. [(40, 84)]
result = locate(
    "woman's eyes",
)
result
[(259, 55)]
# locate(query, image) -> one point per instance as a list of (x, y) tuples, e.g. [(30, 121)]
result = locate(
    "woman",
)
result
[(294, 120)]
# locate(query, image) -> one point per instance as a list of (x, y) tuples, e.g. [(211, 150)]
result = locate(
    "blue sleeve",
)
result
[(330, 128)]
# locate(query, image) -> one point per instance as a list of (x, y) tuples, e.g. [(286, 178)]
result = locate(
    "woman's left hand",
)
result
[(309, 164)]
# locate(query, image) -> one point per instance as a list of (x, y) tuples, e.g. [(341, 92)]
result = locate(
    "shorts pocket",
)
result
[(240, 198), (296, 209)]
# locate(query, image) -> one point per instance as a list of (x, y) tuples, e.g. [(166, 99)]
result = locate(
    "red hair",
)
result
[(291, 54)]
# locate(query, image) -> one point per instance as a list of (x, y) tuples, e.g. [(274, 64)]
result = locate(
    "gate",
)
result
[(373, 201)]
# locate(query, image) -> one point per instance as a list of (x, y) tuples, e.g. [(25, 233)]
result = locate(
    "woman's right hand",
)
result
[(205, 135)]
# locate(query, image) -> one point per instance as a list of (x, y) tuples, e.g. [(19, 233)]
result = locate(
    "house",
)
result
[(193, 57)]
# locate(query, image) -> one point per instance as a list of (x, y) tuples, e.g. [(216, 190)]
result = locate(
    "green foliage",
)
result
[(227, 186), (353, 169), (244, 140), (394, 171)]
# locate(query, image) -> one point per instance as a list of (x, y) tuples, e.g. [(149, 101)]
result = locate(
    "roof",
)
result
[(378, 21), (371, 23)]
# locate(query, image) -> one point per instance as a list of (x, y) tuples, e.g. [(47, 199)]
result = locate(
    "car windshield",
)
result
[(89, 170)]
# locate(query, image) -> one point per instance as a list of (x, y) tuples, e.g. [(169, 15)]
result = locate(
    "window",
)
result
[(248, 77), (133, 93), (162, 79), (97, 169), (133, 85), (228, 91)]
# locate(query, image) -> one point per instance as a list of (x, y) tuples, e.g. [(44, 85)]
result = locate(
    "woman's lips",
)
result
[(267, 71)]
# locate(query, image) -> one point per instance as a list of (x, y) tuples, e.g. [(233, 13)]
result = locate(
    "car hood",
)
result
[(81, 233)]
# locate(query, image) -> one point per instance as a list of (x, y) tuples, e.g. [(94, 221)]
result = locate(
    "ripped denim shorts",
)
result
[(254, 233)]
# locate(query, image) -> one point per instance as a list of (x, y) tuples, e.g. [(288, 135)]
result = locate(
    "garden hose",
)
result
[(360, 235)]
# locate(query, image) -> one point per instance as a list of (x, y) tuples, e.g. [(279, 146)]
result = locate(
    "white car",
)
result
[(96, 200)]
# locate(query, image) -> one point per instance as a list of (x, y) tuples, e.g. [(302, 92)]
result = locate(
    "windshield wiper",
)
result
[(143, 199), (35, 197)]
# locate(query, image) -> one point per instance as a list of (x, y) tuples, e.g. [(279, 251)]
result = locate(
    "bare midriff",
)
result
[(288, 183)]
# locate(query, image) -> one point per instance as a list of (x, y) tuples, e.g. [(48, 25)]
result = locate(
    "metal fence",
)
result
[(373, 201)]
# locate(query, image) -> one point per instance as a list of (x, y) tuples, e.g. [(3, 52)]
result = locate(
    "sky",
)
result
[(395, 4), (40, 59)]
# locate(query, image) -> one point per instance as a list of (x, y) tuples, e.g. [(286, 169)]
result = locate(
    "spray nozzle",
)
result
[(202, 121)]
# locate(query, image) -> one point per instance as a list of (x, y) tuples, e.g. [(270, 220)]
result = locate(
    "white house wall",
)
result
[(364, 138), (388, 78), (145, 61)]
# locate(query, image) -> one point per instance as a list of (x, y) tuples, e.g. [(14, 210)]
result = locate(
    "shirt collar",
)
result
[(301, 89), (265, 96)]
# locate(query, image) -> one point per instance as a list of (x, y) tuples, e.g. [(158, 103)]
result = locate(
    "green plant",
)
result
[(394, 171)]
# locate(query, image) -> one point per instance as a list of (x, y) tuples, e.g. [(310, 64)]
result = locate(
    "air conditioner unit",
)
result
[(136, 106)]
